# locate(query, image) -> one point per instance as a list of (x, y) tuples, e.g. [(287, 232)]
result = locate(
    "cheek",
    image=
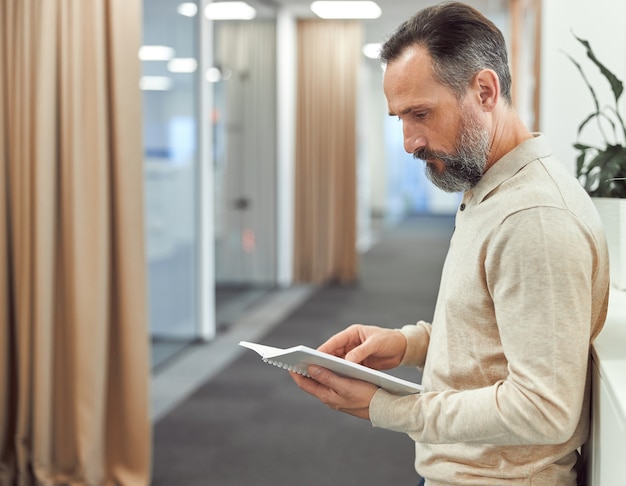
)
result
[(444, 131), (442, 140), (438, 167)]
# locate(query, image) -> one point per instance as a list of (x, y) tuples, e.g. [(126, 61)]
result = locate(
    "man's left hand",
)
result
[(344, 394)]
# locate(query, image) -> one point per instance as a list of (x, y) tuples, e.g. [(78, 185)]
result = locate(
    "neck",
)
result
[(508, 132)]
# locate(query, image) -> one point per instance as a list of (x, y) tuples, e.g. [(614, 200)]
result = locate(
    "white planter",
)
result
[(613, 214)]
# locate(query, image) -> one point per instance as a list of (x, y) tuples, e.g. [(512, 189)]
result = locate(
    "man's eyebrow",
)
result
[(408, 110)]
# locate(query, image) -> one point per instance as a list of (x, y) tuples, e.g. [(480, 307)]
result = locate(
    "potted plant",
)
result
[(601, 169)]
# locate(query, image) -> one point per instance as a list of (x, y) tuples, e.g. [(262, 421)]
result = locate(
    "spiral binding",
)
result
[(287, 367)]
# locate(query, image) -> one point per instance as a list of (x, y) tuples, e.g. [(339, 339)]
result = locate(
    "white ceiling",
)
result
[(394, 12)]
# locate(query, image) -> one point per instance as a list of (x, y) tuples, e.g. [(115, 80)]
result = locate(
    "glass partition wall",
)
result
[(244, 119), (209, 100), (169, 85)]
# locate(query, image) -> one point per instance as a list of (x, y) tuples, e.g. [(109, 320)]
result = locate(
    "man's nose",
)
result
[(413, 140)]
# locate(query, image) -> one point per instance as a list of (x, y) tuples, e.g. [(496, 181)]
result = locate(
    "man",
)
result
[(524, 287)]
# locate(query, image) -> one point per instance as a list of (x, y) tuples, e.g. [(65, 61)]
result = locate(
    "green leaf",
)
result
[(600, 161), (612, 167), (593, 93), (606, 173), (587, 120), (582, 146), (591, 182), (580, 162), (616, 85), (602, 171)]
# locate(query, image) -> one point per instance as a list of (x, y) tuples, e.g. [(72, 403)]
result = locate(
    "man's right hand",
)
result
[(372, 346)]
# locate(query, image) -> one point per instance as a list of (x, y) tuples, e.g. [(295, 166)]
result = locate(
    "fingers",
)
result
[(372, 346), (308, 385), (372, 343), (361, 352), (320, 384), (342, 342), (339, 393)]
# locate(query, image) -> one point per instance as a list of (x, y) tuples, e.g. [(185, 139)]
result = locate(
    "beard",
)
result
[(465, 165)]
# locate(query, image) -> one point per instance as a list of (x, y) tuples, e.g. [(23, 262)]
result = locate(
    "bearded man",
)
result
[(525, 284)]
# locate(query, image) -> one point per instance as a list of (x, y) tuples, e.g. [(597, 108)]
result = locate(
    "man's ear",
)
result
[(487, 84)]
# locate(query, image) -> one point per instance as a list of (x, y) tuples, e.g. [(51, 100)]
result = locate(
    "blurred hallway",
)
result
[(247, 423)]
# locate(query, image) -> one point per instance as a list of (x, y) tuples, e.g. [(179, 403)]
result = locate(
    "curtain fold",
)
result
[(325, 215), (73, 321)]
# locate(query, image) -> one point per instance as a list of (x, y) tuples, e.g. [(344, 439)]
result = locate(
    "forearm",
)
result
[(536, 400), (500, 414)]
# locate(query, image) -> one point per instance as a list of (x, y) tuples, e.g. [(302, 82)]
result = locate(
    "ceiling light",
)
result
[(372, 51), (156, 53), (187, 9), (182, 65), (213, 75), (229, 11), (346, 10), (155, 83)]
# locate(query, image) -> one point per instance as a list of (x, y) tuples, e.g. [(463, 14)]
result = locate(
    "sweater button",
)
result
[(462, 207)]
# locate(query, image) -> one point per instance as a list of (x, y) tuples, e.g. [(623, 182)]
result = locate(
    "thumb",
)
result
[(321, 375), (360, 353)]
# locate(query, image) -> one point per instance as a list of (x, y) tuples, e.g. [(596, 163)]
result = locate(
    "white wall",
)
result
[(565, 100)]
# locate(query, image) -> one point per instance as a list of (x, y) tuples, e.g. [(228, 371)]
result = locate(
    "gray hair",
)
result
[(461, 42)]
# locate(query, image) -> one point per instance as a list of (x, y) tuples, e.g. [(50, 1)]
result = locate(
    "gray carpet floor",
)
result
[(251, 425)]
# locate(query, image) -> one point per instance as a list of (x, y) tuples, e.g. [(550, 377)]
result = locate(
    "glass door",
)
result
[(245, 154), (209, 95)]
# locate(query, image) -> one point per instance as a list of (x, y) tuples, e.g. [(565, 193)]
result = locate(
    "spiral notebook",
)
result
[(298, 359)]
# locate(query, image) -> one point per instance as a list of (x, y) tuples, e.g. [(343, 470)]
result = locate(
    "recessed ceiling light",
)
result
[(213, 75), (155, 83), (187, 9), (182, 65), (229, 11), (156, 53), (372, 51), (346, 10)]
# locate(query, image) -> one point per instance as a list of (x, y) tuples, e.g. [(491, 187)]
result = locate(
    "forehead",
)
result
[(409, 80), (412, 57)]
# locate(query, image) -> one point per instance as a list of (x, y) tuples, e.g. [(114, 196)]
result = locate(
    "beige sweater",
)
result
[(524, 292)]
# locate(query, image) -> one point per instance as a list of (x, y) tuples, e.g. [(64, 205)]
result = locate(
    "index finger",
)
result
[(342, 343)]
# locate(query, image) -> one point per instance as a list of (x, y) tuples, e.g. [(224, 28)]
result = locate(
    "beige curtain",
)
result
[(325, 222), (73, 332)]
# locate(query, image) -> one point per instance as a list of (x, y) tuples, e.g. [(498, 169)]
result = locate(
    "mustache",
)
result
[(427, 154)]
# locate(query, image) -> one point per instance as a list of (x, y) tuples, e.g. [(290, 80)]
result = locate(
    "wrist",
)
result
[(402, 344)]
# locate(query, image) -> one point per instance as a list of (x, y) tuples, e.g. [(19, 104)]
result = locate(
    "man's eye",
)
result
[(420, 115)]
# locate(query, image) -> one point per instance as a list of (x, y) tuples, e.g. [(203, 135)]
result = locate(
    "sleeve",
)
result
[(538, 269), (417, 339)]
